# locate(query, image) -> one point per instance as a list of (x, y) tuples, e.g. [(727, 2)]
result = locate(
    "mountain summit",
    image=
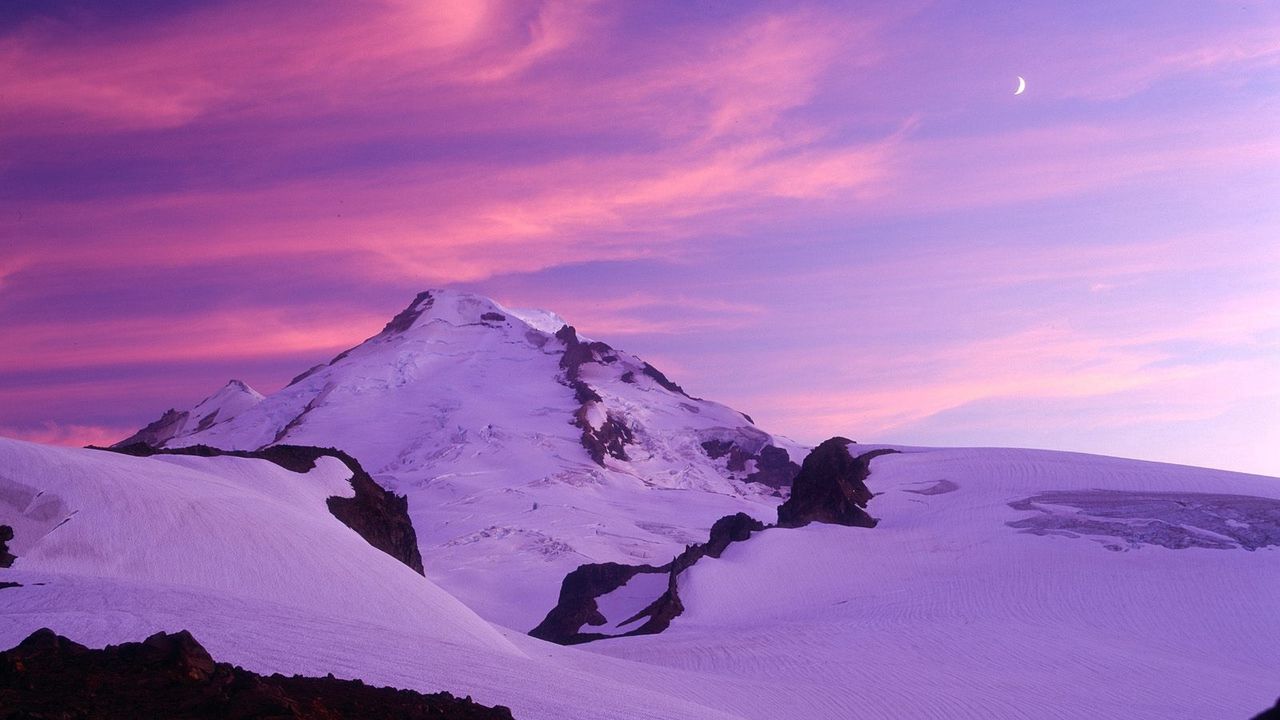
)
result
[(514, 436)]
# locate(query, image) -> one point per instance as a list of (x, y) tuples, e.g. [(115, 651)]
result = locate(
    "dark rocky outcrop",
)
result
[(1272, 713), (172, 676), (405, 319), (577, 603), (378, 515), (831, 488), (577, 607), (159, 432), (774, 466), (6, 558), (727, 530), (493, 317), (613, 435), (662, 380), (716, 449), (611, 438)]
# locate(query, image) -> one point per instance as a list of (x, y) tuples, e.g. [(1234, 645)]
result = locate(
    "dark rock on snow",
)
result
[(727, 530), (405, 318), (577, 607), (378, 515), (830, 488), (774, 468), (172, 676), (773, 465), (577, 603), (1272, 713), (613, 435), (6, 558)]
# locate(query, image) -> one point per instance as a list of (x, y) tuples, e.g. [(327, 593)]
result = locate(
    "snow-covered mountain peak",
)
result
[(482, 416), (448, 306), (232, 399)]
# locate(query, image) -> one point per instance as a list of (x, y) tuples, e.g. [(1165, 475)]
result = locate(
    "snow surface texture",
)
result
[(942, 611), (243, 553), (464, 406), (998, 583), (945, 610)]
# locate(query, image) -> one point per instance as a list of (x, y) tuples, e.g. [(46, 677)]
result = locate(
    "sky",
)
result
[(834, 216)]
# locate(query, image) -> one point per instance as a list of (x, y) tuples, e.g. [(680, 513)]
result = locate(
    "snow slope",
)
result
[(476, 413), (944, 610), (220, 527), (245, 555), (949, 608)]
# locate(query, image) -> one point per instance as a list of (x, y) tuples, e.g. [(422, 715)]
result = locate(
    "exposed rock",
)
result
[(230, 400), (207, 421), (6, 558), (493, 317), (405, 318), (577, 605), (716, 449), (309, 372), (1272, 713), (774, 468), (297, 420), (613, 435), (773, 464), (379, 516), (172, 676), (831, 488), (662, 380), (159, 432), (611, 438), (730, 529), (1126, 520)]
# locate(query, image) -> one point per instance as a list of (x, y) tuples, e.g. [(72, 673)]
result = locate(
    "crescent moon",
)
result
[(1022, 85)]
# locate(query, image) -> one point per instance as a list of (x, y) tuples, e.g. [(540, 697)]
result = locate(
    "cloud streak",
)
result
[(851, 205)]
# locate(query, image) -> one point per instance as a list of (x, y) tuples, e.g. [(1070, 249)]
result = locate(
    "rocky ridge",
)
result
[(172, 675), (378, 515), (830, 488)]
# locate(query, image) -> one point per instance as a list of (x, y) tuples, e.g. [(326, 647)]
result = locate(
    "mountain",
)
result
[(234, 398), (515, 440), (247, 555), (995, 584), (558, 485)]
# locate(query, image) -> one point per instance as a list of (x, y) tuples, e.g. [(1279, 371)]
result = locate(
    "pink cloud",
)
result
[(230, 334)]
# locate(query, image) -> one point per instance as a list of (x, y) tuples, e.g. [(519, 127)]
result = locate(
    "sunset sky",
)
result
[(836, 217)]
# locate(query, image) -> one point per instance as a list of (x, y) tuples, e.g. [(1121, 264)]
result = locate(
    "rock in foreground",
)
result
[(171, 675)]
